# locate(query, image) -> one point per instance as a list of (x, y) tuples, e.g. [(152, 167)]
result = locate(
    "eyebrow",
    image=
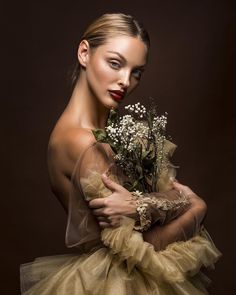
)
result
[(124, 59)]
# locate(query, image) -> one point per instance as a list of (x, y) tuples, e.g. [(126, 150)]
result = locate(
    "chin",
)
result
[(111, 104)]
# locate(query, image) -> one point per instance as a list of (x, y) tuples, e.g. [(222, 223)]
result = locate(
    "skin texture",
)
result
[(88, 108), (91, 102)]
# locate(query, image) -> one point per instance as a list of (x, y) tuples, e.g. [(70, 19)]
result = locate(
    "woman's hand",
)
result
[(110, 210), (195, 200), (182, 188)]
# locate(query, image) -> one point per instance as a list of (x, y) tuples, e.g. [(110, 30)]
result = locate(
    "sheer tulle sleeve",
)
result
[(122, 258), (172, 264), (83, 230), (166, 203), (162, 208), (183, 221), (182, 228)]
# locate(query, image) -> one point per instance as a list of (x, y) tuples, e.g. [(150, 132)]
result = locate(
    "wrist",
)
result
[(143, 221)]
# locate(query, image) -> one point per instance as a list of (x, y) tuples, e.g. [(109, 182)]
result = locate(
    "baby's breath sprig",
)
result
[(137, 109), (137, 140)]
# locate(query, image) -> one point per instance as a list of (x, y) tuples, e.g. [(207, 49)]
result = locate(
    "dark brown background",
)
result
[(191, 75)]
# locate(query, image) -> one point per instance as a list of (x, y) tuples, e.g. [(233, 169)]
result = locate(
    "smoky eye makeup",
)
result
[(114, 64), (137, 73)]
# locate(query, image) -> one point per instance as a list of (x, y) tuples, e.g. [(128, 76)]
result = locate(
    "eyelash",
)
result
[(116, 65), (139, 74)]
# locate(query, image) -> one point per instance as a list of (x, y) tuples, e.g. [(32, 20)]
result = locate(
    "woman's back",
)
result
[(66, 143)]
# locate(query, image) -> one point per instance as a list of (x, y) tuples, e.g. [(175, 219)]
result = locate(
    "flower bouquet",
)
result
[(142, 150), (141, 147)]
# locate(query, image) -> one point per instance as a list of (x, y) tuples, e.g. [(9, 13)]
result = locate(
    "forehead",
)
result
[(132, 49)]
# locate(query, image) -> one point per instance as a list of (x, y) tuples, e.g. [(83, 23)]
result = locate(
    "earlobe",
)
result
[(83, 53)]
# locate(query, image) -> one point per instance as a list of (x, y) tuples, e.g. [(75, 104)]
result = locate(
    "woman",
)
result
[(113, 257)]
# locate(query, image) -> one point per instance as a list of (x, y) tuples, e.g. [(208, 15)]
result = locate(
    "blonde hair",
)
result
[(107, 26)]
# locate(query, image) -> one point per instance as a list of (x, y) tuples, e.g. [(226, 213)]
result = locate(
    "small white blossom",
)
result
[(134, 133), (137, 108)]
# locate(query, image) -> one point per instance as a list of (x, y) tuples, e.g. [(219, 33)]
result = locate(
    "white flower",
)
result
[(137, 108)]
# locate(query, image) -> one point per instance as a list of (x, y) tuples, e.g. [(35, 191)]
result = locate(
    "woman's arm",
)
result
[(121, 202), (109, 210), (181, 229)]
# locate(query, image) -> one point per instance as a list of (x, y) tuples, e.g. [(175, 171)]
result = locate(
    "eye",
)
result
[(137, 74), (114, 64)]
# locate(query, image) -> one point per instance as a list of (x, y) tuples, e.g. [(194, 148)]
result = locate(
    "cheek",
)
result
[(133, 84), (103, 73)]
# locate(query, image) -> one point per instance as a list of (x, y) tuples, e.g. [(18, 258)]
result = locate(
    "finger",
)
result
[(178, 185), (104, 219), (115, 224), (99, 212), (183, 188), (109, 183), (103, 224), (115, 221), (96, 203), (173, 179)]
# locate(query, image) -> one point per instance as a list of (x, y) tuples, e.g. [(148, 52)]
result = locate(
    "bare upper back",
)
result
[(66, 143)]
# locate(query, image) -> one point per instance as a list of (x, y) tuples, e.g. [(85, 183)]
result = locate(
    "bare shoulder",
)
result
[(65, 147)]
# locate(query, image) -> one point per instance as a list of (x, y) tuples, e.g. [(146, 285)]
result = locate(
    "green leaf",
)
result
[(100, 135), (113, 117), (135, 184), (139, 170), (128, 185), (145, 154)]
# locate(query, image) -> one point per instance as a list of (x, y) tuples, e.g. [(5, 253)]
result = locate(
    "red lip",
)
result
[(117, 94)]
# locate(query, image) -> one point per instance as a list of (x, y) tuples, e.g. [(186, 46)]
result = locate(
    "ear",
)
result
[(83, 53)]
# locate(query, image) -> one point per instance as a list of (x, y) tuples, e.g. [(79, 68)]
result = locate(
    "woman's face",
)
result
[(113, 70)]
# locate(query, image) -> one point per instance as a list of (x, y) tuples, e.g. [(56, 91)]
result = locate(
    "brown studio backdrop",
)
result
[(190, 75)]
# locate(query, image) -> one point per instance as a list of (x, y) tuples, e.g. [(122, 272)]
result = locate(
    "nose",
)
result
[(124, 80)]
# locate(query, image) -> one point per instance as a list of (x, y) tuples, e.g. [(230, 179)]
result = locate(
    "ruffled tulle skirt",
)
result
[(125, 265)]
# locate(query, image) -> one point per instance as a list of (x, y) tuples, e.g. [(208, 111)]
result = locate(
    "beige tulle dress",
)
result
[(117, 261)]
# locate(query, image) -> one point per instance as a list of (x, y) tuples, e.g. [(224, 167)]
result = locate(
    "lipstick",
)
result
[(117, 94)]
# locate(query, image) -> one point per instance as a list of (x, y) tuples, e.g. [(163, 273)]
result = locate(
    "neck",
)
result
[(85, 108)]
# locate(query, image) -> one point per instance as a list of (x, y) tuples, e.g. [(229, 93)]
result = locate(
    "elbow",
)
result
[(201, 210), (198, 206)]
